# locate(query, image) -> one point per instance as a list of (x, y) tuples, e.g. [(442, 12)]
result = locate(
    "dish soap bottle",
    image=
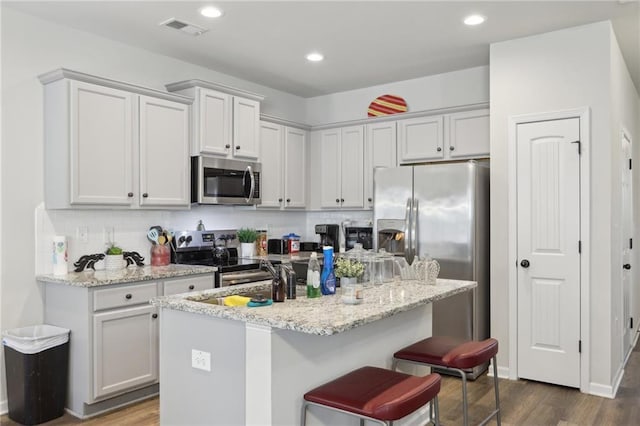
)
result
[(313, 277), (200, 226), (328, 278)]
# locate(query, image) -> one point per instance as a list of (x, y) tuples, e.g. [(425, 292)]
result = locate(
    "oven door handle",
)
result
[(249, 171)]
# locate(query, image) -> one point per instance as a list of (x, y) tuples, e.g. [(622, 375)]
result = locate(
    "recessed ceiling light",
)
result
[(474, 19), (211, 12), (315, 57)]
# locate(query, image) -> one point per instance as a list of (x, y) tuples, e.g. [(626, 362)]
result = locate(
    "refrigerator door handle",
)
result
[(414, 229), (407, 231)]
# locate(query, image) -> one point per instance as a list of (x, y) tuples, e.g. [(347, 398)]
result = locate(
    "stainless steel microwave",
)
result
[(222, 181)]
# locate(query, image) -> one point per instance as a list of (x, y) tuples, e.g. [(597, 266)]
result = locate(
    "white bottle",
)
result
[(313, 277)]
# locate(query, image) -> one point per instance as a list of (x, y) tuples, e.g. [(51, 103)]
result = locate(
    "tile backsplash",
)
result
[(87, 231)]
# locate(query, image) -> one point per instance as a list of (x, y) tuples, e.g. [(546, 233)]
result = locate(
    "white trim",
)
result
[(61, 73), (187, 84), (277, 120), (584, 114), (402, 116), (503, 372), (4, 407)]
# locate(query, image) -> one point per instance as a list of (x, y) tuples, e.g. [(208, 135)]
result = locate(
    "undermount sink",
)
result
[(219, 300)]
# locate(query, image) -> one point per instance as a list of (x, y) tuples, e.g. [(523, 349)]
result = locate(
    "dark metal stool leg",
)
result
[(465, 410), (303, 414), (436, 410), (495, 385)]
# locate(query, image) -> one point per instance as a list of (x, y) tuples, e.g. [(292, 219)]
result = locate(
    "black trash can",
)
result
[(37, 366)]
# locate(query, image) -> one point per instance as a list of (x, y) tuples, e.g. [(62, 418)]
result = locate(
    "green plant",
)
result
[(113, 249), (348, 268), (247, 235)]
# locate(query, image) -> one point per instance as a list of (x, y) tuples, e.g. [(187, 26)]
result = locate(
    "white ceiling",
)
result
[(365, 43)]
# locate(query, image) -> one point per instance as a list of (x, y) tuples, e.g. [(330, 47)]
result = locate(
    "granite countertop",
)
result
[(91, 278), (325, 315)]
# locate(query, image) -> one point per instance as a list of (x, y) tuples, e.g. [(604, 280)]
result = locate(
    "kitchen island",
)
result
[(251, 366)]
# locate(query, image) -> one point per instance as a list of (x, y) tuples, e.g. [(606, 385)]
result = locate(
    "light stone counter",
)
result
[(91, 278), (326, 315)]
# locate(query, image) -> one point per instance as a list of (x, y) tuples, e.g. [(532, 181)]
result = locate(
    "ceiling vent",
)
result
[(183, 26)]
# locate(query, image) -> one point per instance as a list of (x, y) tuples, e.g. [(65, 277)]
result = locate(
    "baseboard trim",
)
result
[(503, 372), (4, 407), (605, 391)]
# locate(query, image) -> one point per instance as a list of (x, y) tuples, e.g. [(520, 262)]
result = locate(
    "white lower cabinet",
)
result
[(113, 348), (125, 349)]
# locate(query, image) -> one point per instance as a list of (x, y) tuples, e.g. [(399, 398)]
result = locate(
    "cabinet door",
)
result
[(420, 139), (101, 131), (164, 153), (214, 122), (295, 152), (125, 350), (329, 178), (246, 128), (352, 182), (272, 168), (380, 151), (469, 134)]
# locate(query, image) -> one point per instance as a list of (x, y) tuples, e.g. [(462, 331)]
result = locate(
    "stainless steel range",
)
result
[(217, 248)]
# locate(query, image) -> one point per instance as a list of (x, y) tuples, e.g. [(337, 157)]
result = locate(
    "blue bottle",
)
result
[(328, 278)]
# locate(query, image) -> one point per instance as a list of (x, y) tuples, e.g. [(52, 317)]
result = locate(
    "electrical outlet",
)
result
[(108, 234), (201, 360), (82, 234)]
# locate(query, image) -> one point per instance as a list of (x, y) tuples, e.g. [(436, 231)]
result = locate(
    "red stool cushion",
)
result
[(377, 393), (449, 352)]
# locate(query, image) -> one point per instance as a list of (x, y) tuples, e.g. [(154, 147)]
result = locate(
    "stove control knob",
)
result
[(189, 238), (181, 239)]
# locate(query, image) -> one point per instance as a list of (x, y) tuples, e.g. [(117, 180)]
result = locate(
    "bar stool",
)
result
[(377, 394), (454, 355)]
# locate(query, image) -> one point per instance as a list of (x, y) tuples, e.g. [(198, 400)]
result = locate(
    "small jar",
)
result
[(160, 255), (261, 243), (352, 291)]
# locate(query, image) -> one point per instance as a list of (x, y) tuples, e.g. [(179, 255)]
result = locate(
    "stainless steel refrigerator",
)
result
[(441, 210)]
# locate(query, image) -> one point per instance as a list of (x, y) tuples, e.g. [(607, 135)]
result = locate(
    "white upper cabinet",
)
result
[(342, 161), (164, 153), (111, 144), (421, 139), (246, 128), (226, 121), (283, 157), (379, 151), (295, 170), (453, 136), (468, 134), (101, 137)]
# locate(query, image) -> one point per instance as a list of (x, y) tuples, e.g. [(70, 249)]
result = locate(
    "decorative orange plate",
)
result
[(386, 105)]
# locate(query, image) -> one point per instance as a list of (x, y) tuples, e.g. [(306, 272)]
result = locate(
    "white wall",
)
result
[(625, 110), (560, 70), (464, 87)]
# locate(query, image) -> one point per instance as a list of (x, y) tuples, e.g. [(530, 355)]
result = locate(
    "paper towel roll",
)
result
[(60, 255)]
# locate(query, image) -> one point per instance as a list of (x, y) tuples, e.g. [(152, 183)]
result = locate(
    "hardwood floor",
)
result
[(524, 403)]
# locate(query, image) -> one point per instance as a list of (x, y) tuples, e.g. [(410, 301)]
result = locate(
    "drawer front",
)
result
[(184, 285), (124, 296)]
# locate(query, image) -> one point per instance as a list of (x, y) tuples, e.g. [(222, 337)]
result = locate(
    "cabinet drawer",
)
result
[(124, 296), (184, 285)]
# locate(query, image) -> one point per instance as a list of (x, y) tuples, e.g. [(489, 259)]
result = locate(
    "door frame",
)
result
[(584, 114)]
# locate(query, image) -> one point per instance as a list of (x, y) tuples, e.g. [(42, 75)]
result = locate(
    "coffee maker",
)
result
[(329, 235)]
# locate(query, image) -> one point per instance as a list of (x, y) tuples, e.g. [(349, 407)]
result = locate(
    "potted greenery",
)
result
[(349, 271), (113, 258), (247, 238)]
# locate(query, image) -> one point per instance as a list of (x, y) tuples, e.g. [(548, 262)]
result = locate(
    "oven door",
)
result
[(221, 181), (225, 279)]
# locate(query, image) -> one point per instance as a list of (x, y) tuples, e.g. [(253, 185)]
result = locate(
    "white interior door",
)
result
[(548, 203), (627, 234)]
